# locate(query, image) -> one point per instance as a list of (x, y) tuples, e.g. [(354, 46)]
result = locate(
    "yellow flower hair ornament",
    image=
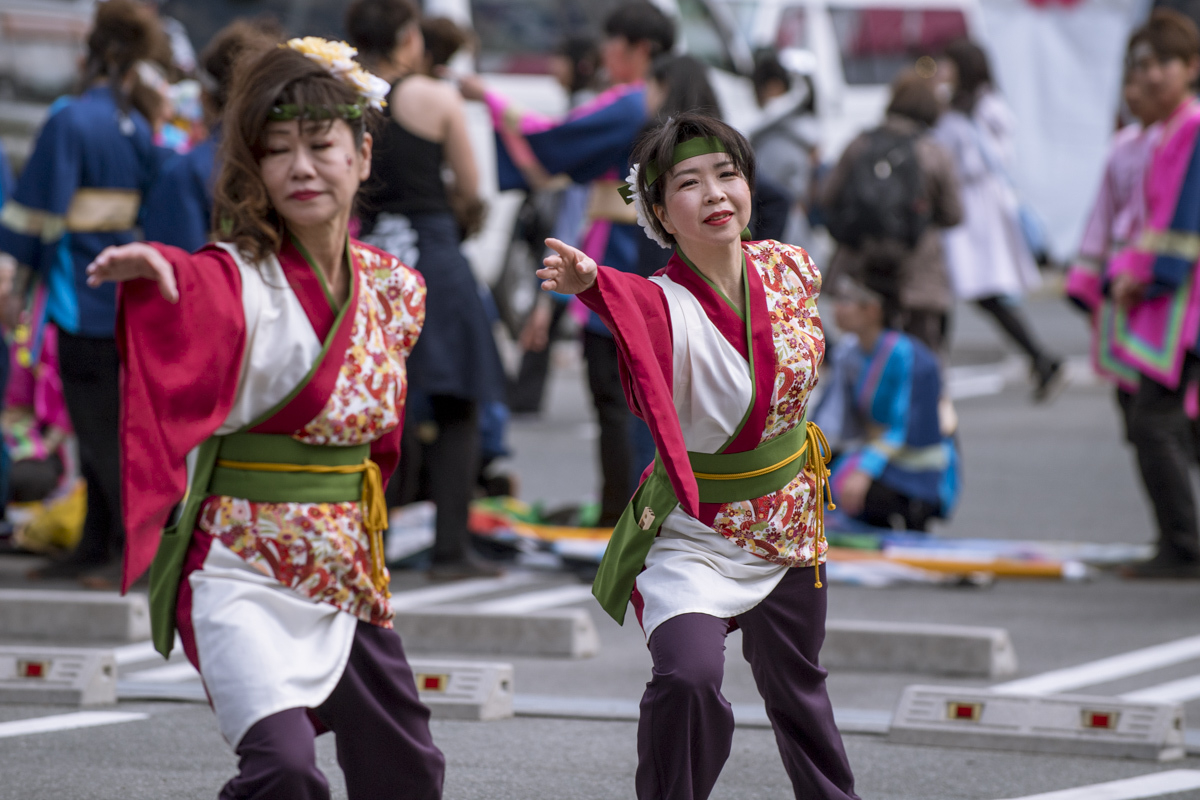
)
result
[(338, 58)]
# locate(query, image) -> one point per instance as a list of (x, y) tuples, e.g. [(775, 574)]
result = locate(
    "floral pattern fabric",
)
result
[(321, 550), (781, 527)]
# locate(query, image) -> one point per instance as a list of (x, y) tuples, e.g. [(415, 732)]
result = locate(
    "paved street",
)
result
[(1054, 473)]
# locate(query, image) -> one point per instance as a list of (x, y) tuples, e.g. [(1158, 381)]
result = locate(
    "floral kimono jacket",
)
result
[(728, 505), (279, 414)]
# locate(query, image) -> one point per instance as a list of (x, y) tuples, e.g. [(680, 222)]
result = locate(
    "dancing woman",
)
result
[(266, 376), (719, 352)]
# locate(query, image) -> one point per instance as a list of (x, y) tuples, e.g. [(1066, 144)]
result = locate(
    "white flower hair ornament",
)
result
[(338, 59), (632, 196)]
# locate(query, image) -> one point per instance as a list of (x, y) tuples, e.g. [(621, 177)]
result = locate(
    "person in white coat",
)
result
[(990, 262)]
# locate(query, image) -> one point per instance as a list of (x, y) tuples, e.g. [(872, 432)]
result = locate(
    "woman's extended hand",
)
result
[(568, 272), (136, 260)]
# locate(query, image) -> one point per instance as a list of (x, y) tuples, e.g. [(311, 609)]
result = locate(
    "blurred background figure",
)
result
[(443, 40), (454, 369), (787, 135), (1156, 314), (592, 146), (895, 469), (179, 204), (1117, 214), (556, 211), (989, 256), (888, 201), (80, 192)]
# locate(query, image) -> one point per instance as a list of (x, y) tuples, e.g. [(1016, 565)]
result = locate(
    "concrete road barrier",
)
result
[(35, 674), (473, 690), (566, 633), (40, 615), (1064, 724), (950, 650)]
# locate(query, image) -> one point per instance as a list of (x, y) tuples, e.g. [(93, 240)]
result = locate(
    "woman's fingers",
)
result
[(165, 276), (131, 261)]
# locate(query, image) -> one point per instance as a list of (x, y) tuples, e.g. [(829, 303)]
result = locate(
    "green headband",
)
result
[(700, 146), (290, 111)]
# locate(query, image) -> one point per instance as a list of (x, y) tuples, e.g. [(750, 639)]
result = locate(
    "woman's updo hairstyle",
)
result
[(242, 210), (123, 33), (657, 147)]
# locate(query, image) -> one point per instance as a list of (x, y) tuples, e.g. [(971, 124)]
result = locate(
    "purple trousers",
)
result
[(686, 727), (383, 742)]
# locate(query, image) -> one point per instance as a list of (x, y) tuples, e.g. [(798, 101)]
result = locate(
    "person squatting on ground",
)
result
[(92, 162), (719, 353), (1156, 320), (895, 467), (277, 355), (990, 261), (455, 368), (898, 212), (592, 145)]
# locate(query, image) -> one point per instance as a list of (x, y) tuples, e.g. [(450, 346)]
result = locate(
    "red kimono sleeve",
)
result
[(179, 374), (635, 311)]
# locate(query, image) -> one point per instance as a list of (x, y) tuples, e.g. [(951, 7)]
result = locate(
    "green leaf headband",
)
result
[(699, 146), (291, 111)]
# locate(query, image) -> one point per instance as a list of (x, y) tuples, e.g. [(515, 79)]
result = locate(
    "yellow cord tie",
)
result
[(817, 465), (374, 506)]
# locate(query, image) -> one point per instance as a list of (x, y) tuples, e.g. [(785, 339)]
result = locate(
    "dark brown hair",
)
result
[(1169, 34), (373, 26), (657, 146), (240, 39), (123, 33), (913, 96), (242, 210), (442, 40), (974, 73)]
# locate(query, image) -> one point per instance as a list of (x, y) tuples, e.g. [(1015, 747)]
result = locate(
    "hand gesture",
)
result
[(1127, 291), (569, 271), (136, 260)]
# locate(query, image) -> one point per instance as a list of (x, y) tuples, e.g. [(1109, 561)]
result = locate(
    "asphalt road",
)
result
[(1059, 472)]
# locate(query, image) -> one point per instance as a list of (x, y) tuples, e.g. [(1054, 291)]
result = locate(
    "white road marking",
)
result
[(1180, 691), (432, 595), (1106, 669), (66, 722), (1154, 785), (171, 673), (535, 601)]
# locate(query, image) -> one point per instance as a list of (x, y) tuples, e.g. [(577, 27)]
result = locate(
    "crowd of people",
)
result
[(299, 344)]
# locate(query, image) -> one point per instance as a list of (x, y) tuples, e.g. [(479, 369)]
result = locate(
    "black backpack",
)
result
[(883, 196)]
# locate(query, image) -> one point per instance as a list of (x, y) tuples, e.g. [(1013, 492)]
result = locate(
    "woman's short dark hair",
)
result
[(657, 146), (914, 97), (974, 73), (686, 80), (641, 21), (373, 26), (1170, 34), (242, 212), (767, 67)]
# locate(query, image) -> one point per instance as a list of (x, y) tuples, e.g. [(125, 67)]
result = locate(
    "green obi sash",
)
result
[(721, 478), (344, 476)]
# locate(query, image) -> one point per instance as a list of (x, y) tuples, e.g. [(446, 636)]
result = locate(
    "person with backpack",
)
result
[(989, 256), (887, 201)]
